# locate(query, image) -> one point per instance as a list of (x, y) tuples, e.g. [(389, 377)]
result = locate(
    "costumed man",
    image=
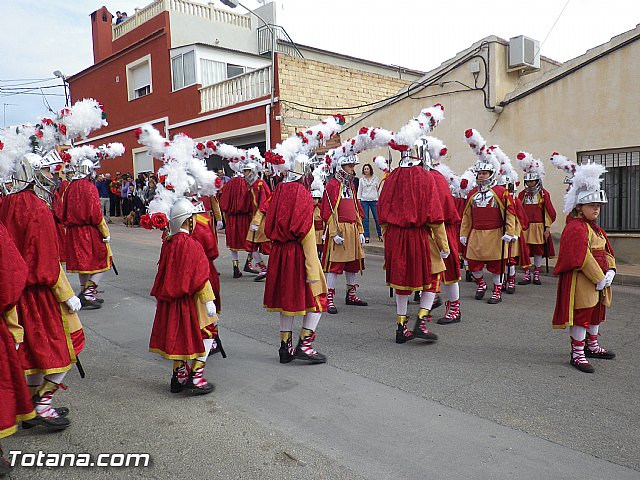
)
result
[(586, 266), (185, 310), (56, 207), (540, 213), (257, 243), (410, 213), (318, 224), (17, 405), (88, 251), (342, 214), (432, 150), (296, 284), (53, 335), (488, 222), (235, 202)]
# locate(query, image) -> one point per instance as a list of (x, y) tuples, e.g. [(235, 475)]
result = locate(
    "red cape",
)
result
[(290, 213), (234, 196), (449, 209), (13, 272), (262, 194)]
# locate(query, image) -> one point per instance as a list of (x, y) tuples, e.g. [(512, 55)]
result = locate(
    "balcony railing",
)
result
[(283, 43), (186, 7), (242, 88)]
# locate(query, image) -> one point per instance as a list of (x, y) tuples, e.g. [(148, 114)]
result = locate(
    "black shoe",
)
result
[(400, 334), (53, 423), (437, 302), (468, 276), (605, 354), (447, 321), (88, 304), (537, 282), (192, 389), (583, 367), (284, 353), (493, 301), (480, 295), (418, 333), (332, 310), (524, 282), (176, 386), (313, 359), (260, 277), (509, 290), (236, 272), (416, 296), (248, 269), (62, 411), (359, 303), (5, 466)]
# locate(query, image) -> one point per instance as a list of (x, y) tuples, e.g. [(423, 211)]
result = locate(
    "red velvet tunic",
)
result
[(289, 220), (61, 230), (81, 214), (235, 202), (47, 346), (14, 394), (408, 202), (183, 270), (460, 204), (452, 221), (260, 194), (204, 232), (534, 215)]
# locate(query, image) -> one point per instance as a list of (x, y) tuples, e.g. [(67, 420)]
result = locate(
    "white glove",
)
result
[(211, 308), (254, 227), (362, 239), (338, 240), (609, 276), (107, 239), (601, 284), (219, 225), (463, 241), (506, 238), (17, 345), (513, 239), (324, 237), (444, 254), (74, 304)]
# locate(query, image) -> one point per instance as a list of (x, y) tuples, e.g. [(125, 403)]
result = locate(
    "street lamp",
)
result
[(4, 112), (62, 76)]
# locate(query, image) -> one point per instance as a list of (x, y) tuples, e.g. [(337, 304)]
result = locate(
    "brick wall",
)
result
[(317, 84)]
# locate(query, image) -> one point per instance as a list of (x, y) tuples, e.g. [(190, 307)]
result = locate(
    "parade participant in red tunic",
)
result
[(411, 213), (17, 405), (342, 213), (56, 207), (318, 223), (88, 237), (586, 266), (235, 202), (257, 243), (295, 284), (186, 312), (53, 334), (540, 213)]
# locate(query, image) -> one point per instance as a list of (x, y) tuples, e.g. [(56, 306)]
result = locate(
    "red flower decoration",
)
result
[(464, 183), (398, 147), (162, 178), (159, 220), (363, 130), (47, 121), (137, 132), (443, 152), (554, 154), (1, 145), (340, 118), (439, 106), (65, 157), (468, 133), (211, 144), (273, 158), (320, 135), (218, 182), (200, 146), (145, 221), (168, 186), (62, 128), (64, 112), (521, 156), (58, 167)]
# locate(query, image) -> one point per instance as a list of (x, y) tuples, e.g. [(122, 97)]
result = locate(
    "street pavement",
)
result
[(495, 397)]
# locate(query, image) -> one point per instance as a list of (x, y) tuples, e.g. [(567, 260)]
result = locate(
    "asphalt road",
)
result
[(495, 397)]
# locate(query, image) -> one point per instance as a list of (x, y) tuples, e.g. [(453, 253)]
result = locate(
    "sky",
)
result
[(41, 36)]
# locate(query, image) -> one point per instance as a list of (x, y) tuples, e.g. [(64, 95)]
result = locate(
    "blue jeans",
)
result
[(373, 206)]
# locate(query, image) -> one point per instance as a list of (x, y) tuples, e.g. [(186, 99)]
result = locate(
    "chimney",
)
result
[(101, 34)]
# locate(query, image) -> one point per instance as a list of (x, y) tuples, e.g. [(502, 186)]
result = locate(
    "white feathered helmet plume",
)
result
[(291, 158), (83, 160), (437, 149), (238, 158), (467, 182), (452, 179), (563, 163), (183, 174), (532, 167), (507, 174), (585, 186), (486, 159), (382, 163)]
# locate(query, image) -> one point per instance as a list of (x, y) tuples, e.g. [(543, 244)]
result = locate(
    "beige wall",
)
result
[(593, 108), (317, 84)]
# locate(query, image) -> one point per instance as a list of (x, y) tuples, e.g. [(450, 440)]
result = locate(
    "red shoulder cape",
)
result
[(81, 204), (451, 215), (234, 196), (290, 213), (13, 271)]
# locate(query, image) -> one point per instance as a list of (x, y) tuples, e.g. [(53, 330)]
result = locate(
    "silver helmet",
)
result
[(181, 210), (33, 171), (86, 168), (341, 174), (420, 151), (532, 177), (485, 166), (316, 194), (252, 174), (591, 196)]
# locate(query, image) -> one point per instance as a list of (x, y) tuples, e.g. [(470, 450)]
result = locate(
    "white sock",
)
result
[(286, 323), (452, 291), (332, 280), (537, 261), (426, 300), (95, 277), (257, 257), (55, 377), (234, 255), (512, 270), (350, 277), (578, 333), (208, 343), (496, 279), (477, 274), (593, 329), (310, 320), (401, 304), (466, 264)]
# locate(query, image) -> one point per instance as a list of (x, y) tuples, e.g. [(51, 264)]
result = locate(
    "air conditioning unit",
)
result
[(524, 53)]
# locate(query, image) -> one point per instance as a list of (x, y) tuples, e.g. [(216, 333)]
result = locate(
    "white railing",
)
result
[(186, 7), (242, 88)]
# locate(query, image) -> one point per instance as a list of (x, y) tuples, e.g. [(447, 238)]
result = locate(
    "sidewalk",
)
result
[(626, 274)]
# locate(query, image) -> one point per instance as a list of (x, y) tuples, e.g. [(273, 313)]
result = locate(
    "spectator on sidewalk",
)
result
[(114, 195), (368, 196), (125, 194), (103, 185), (150, 192)]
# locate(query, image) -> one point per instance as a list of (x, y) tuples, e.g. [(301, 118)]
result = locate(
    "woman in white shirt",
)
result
[(368, 196)]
